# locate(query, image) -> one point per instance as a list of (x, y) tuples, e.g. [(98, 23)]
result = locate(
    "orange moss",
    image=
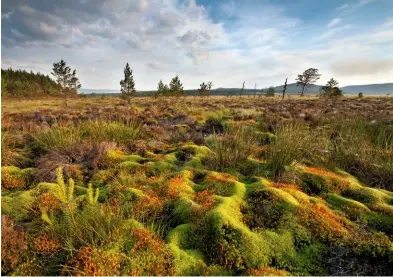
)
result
[(150, 255), (176, 185), (221, 178), (205, 198), (93, 262), (152, 205), (49, 202), (338, 183), (267, 271), (45, 245), (8, 181), (286, 186), (323, 221), (322, 172)]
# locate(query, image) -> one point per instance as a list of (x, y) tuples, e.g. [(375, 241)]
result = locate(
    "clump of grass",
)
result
[(366, 151), (230, 149), (11, 154), (61, 137), (292, 143), (119, 132)]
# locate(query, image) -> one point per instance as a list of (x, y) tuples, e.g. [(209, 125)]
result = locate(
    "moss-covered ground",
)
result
[(187, 194)]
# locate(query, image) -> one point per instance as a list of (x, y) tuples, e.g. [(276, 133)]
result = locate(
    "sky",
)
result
[(261, 42)]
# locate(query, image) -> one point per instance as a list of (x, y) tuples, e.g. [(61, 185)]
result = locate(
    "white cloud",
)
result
[(161, 38), (334, 22), (342, 7)]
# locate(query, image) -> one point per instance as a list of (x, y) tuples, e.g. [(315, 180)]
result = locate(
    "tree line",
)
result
[(66, 83), (23, 83)]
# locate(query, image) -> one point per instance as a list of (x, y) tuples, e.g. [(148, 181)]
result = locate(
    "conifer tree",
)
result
[(127, 85), (309, 76), (68, 81), (162, 89), (176, 87)]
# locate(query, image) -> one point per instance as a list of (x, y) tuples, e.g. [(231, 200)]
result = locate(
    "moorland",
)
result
[(197, 186)]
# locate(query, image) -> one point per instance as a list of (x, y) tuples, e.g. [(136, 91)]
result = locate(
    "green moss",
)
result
[(340, 202), (368, 196), (315, 184), (182, 211), (199, 154), (129, 166), (159, 167), (102, 177), (187, 261), (18, 205), (224, 185), (13, 178)]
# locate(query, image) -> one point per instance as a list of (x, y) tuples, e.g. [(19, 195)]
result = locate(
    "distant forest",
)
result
[(23, 83)]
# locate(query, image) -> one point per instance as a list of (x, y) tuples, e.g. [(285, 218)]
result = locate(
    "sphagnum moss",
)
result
[(158, 204)]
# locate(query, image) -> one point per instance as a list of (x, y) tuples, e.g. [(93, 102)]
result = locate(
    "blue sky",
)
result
[(227, 42)]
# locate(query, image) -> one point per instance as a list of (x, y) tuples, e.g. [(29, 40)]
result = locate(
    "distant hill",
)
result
[(372, 89), (369, 89)]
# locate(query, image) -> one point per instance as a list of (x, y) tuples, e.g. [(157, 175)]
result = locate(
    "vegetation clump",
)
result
[(273, 187)]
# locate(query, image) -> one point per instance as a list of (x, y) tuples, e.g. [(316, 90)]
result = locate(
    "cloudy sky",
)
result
[(226, 42)]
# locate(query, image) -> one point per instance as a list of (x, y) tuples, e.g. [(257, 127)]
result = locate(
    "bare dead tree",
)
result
[(241, 91), (285, 88)]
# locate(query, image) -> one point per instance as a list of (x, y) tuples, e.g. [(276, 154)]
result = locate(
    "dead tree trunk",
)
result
[(285, 88)]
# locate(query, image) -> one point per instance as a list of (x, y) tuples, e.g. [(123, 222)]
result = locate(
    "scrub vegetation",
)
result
[(197, 186)]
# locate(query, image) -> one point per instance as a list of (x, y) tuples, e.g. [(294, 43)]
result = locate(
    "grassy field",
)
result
[(197, 186)]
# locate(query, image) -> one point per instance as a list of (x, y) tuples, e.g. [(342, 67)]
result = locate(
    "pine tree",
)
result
[(309, 76), (331, 89), (127, 85), (162, 89), (176, 87), (204, 89), (68, 81)]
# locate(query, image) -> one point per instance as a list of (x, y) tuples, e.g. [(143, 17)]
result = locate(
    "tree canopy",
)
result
[(309, 76), (23, 83)]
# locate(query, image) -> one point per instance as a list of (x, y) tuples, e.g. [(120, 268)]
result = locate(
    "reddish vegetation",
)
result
[(205, 198), (9, 181), (152, 205), (176, 185), (220, 178), (93, 262), (286, 186), (322, 172), (13, 242), (267, 271), (150, 255), (48, 202), (323, 221), (45, 245)]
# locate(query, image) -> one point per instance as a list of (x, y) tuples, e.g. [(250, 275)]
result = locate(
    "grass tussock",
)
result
[(60, 137), (230, 149), (224, 186), (366, 151)]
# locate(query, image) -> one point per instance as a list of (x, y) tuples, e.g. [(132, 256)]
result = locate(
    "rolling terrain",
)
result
[(196, 186)]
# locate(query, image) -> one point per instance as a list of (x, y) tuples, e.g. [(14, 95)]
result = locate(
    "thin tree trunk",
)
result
[(302, 94)]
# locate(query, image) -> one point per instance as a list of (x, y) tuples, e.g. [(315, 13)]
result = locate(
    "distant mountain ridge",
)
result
[(370, 89)]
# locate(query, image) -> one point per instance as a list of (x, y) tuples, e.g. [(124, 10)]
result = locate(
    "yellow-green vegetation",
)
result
[(219, 187)]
